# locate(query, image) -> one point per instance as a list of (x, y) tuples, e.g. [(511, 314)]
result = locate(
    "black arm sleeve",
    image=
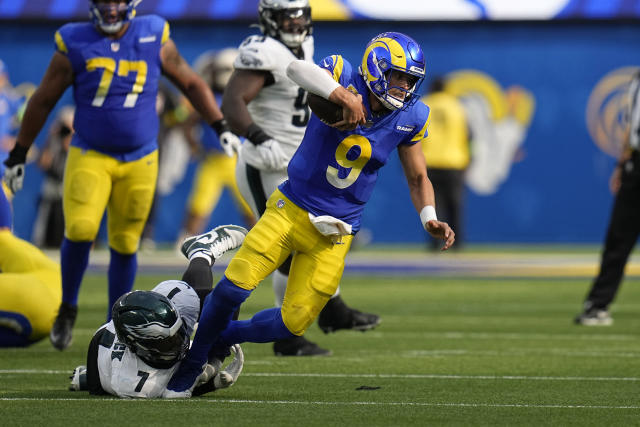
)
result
[(93, 375)]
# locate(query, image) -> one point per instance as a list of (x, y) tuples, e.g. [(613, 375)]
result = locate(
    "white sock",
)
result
[(279, 286), (337, 293), (202, 254)]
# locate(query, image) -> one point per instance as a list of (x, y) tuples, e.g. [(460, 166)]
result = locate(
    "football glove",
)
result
[(230, 143), (228, 140), (230, 374), (14, 171), (272, 155)]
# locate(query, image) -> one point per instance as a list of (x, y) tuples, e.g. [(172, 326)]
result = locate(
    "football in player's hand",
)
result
[(327, 111)]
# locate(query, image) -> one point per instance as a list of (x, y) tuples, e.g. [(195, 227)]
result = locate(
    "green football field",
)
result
[(452, 349)]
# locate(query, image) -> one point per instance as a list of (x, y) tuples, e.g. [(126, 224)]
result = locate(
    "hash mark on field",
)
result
[(301, 402), (400, 376)]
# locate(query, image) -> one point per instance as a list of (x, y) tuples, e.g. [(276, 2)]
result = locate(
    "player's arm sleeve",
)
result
[(166, 33), (312, 78), (254, 54), (93, 374), (59, 42), (423, 125)]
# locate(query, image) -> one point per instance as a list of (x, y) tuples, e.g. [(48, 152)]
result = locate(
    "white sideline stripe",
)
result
[(300, 402), (451, 335), (401, 376)]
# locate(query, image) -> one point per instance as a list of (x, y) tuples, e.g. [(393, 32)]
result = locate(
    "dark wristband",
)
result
[(220, 126), (256, 135), (17, 155)]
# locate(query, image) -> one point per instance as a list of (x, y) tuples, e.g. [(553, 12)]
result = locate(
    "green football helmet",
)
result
[(149, 324)]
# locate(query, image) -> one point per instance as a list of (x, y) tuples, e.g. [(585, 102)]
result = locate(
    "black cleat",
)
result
[(60, 334), (337, 315), (298, 346)]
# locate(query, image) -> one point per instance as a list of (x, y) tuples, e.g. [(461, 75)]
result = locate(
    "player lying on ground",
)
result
[(137, 352)]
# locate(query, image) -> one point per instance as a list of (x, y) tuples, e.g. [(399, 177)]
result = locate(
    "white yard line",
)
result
[(317, 403), (395, 376)]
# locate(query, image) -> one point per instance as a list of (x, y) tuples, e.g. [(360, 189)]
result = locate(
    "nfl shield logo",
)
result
[(115, 46), (280, 203)]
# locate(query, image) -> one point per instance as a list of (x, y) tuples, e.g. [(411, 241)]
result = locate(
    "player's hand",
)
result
[(441, 230), (272, 155), (353, 113), (228, 376), (14, 171), (230, 143)]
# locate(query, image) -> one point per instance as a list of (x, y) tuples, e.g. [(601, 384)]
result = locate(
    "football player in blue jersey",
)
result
[(315, 213), (114, 64)]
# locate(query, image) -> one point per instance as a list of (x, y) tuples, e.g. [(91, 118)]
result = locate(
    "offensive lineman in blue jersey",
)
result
[(114, 64), (316, 212)]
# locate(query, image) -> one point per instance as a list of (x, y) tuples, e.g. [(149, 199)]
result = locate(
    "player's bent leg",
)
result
[(295, 345), (214, 243), (219, 307)]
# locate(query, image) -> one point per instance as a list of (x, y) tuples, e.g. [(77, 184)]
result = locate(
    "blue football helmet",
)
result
[(149, 324), (286, 20), (393, 52), (110, 16)]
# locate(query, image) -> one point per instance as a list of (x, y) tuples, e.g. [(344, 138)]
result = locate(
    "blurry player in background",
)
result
[(264, 105), (10, 103), (447, 154), (217, 167), (30, 290), (315, 213), (135, 354), (48, 230), (114, 64)]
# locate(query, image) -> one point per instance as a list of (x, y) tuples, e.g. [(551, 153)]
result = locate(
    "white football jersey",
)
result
[(124, 374), (281, 108)]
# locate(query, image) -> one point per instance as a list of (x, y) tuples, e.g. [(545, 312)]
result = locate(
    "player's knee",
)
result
[(124, 243), (240, 272), (81, 230), (297, 318)]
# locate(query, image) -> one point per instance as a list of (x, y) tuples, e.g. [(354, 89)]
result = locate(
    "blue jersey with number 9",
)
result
[(115, 85), (334, 172)]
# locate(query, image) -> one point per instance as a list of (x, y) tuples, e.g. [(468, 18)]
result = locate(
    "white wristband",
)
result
[(427, 214)]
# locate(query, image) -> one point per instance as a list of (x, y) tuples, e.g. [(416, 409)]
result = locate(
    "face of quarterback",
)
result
[(400, 83)]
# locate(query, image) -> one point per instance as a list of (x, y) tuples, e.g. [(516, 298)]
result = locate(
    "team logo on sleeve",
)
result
[(249, 60)]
